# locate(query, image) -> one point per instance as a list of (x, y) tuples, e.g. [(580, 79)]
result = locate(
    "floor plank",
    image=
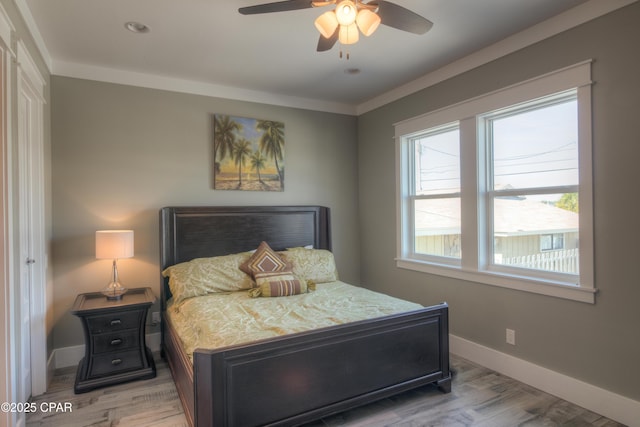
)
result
[(480, 397)]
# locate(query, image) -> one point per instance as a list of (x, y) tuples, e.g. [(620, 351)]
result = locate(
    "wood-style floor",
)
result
[(479, 397)]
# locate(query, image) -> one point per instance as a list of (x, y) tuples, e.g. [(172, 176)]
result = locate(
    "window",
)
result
[(488, 189), (551, 242), (533, 165)]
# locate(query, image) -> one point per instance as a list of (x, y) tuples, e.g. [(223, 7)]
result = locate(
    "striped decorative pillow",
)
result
[(278, 284)]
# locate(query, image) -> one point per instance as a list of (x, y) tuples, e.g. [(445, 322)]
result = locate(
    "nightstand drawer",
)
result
[(122, 340), (115, 321), (109, 363)]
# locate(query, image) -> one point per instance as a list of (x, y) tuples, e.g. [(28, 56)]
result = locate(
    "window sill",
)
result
[(537, 286)]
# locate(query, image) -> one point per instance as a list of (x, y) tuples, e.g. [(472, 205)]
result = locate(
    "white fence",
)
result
[(564, 261)]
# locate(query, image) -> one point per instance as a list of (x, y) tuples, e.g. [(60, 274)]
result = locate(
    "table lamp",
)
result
[(114, 244)]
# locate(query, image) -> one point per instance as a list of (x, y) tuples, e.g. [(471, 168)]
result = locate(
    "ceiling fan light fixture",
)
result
[(348, 18), (349, 34), (327, 24), (367, 21), (346, 12)]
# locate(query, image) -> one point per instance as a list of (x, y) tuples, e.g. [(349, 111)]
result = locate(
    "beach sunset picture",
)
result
[(248, 154)]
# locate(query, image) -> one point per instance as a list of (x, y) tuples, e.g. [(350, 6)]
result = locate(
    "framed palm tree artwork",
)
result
[(248, 154)]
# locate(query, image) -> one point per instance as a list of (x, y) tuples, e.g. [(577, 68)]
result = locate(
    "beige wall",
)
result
[(120, 153), (597, 343)]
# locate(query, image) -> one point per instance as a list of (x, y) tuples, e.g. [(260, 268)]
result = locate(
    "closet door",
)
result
[(32, 237)]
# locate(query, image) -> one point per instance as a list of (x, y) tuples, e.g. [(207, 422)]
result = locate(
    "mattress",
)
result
[(220, 320)]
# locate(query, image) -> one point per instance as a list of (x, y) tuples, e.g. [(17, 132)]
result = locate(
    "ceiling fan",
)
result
[(349, 18)]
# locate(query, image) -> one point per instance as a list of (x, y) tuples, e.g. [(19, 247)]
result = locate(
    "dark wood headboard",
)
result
[(206, 231)]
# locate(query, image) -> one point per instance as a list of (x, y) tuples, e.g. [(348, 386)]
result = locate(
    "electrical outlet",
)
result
[(511, 336), (155, 318)]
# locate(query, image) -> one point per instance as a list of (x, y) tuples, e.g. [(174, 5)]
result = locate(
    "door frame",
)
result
[(7, 336)]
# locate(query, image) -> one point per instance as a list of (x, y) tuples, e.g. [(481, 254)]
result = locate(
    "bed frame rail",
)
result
[(292, 380)]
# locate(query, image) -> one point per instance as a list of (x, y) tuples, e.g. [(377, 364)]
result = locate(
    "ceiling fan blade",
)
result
[(280, 6), (401, 18), (327, 43)]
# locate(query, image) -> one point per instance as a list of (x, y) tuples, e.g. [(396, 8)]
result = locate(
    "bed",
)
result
[(305, 375)]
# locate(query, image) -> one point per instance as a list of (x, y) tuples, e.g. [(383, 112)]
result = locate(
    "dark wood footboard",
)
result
[(302, 377)]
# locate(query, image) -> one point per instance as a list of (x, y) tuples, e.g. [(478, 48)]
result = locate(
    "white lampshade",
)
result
[(349, 34), (346, 12), (114, 244), (367, 21), (327, 24)]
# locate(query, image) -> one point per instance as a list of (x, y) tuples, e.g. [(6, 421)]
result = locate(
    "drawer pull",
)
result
[(117, 341), (115, 322), (115, 362)]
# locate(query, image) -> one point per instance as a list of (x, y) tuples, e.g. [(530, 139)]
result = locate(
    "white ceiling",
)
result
[(209, 42)]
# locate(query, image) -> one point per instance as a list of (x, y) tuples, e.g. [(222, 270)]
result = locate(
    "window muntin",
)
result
[(479, 188)]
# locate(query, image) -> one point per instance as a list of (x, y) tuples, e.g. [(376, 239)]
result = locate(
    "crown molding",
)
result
[(555, 25), (24, 10), (152, 81)]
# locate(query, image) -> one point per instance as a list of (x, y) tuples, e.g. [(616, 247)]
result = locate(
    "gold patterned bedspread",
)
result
[(223, 319)]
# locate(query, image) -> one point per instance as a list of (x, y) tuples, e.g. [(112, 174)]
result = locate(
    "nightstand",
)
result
[(114, 336)]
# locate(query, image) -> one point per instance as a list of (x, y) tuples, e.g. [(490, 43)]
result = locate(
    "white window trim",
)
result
[(473, 268)]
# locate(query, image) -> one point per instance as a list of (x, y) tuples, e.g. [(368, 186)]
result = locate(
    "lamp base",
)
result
[(114, 291)]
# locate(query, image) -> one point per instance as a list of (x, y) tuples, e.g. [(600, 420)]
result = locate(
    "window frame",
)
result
[(477, 241)]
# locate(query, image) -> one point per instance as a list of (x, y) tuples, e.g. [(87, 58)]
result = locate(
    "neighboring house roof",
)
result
[(513, 217)]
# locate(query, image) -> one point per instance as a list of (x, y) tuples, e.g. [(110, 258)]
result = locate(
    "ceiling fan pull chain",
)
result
[(346, 54)]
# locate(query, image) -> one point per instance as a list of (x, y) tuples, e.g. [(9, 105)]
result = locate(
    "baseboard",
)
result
[(598, 400), (51, 367), (70, 356)]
